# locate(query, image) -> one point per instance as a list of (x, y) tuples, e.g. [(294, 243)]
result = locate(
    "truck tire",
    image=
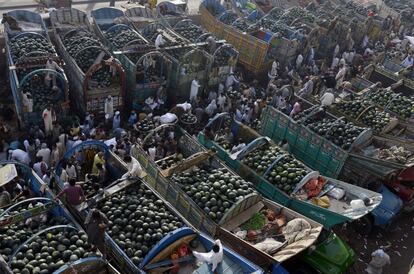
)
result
[(300, 267)]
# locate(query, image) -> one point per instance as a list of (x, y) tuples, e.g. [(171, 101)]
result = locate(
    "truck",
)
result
[(188, 52), (388, 72), (353, 165), (317, 259), (93, 71), (154, 256), (134, 52), (159, 256), (28, 48), (329, 217), (257, 48), (19, 215)]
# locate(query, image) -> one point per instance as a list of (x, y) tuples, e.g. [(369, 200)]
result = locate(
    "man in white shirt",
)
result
[(231, 80), (327, 99), (194, 89), (20, 156), (40, 167), (44, 152), (335, 63), (299, 61), (134, 168), (214, 257), (212, 95), (221, 100), (52, 65), (340, 76), (159, 41), (307, 89)]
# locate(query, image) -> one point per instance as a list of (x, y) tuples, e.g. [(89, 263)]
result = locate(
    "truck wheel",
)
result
[(301, 268), (304, 269), (363, 225)]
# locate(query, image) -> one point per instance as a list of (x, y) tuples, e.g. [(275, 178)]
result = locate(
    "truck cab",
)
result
[(328, 255), (403, 186), (387, 211)]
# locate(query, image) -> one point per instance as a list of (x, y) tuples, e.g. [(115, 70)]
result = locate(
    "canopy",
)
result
[(7, 173)]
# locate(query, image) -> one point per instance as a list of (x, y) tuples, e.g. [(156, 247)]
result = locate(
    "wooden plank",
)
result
[(243, 217)]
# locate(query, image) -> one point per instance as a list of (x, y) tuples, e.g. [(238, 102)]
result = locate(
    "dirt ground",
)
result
[(398, 242)]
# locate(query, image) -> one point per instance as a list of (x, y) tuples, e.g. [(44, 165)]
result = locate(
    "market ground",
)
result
[(397, 241)]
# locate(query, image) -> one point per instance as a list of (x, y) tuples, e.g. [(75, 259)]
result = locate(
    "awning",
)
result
[(7, 173)]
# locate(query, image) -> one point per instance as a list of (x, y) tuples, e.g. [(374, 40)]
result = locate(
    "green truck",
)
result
[(329, 217)]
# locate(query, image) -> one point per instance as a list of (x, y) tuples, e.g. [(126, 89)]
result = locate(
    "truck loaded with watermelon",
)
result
[(207, 187), (281, 177), (37, 235)]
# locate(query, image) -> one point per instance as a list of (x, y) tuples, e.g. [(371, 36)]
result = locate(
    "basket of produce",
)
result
[(145, 125), (188, 119)]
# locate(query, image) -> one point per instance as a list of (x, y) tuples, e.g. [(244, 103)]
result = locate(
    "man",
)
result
[(212, 95), (89, 118), (327, 99), (335, 63), (27, 101), (20, 156), (100, 177), (214, 257), (296, 108), (379, 259), (299, 61), (49, 117), (340, 76), (55, 155), (275, 68), (45, 153), (74, 194), (96, 223), (159, 41), (51, 65), (211, 108), (109, 106), (307, 88), (336, 51), (134, 168), (194, 89), (116, 122), (212, 45), (99, 158), (221, 100), (40, 167), (133, 118), (5, 197), (231, 80)]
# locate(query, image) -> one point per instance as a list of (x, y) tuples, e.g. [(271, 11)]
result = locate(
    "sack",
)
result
[(337, 193), (269, 245)]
